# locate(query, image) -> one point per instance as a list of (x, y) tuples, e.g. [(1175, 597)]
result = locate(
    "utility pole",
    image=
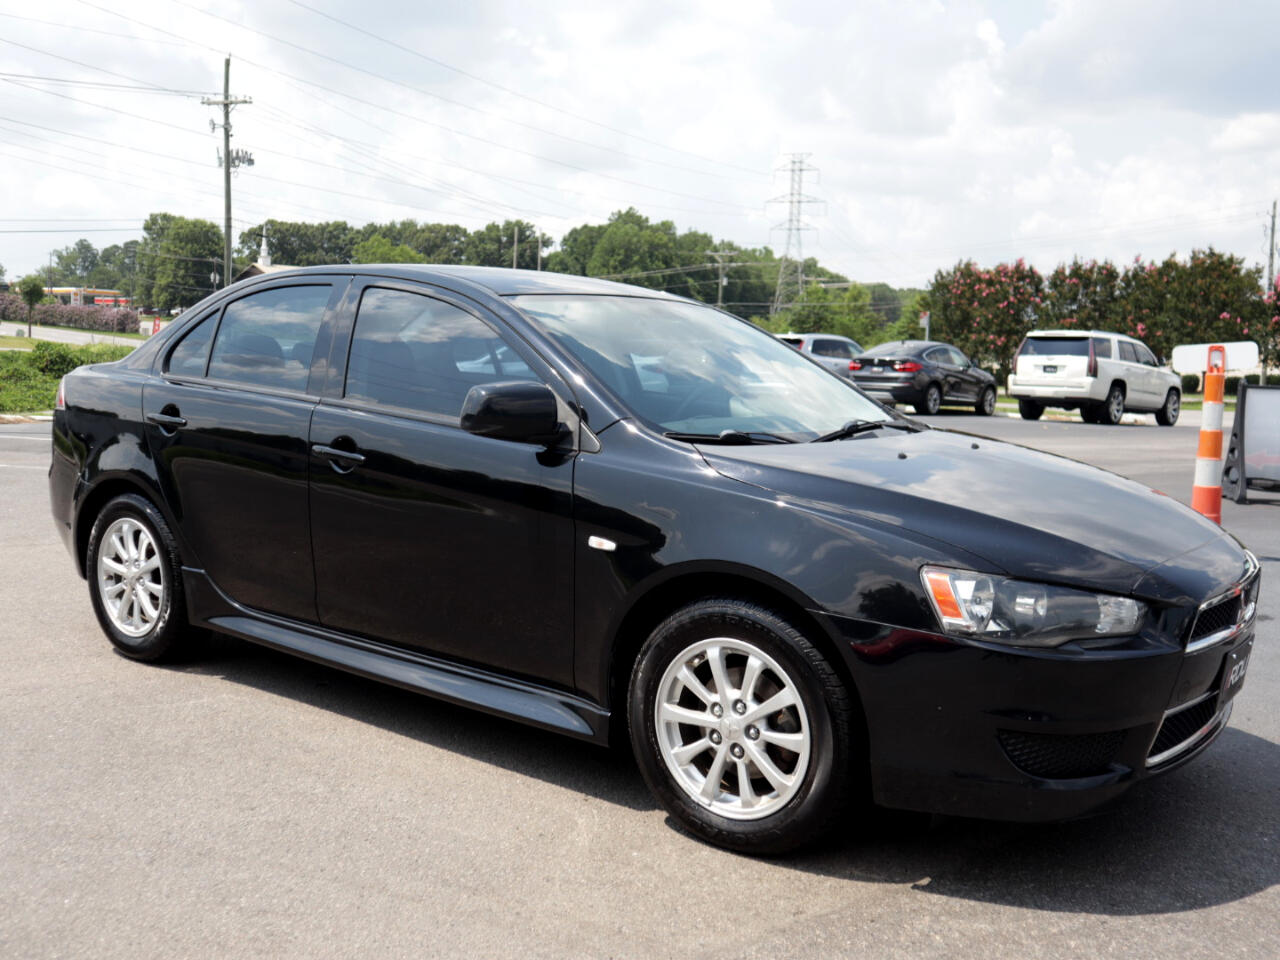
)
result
[(790, 287), (515, 244), (720, 257), (228, 160), (1271, 251)]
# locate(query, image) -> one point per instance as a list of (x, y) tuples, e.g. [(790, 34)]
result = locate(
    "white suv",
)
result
[(1100, 374)]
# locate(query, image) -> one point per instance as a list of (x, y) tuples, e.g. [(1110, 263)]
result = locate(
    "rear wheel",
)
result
[(135, 579), (741, 727), (986, 404), (1089, 413), (1113, 406), (931, 402), (1030, 410), (1167, 415)]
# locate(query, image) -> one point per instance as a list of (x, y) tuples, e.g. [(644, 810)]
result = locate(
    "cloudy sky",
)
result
[(939, 131)]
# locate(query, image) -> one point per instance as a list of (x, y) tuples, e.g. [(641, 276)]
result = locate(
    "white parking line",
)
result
[(23, 436), (22, 466)]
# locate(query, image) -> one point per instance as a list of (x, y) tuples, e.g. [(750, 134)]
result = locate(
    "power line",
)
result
[(99, 32), (102, 84), (399, 113), (517, 93)]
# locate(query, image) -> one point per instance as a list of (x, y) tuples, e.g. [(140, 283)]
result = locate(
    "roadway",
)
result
[(249, 804)]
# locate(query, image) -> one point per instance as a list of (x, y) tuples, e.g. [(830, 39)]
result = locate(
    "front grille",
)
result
[(1180, 727), (1220, 616), (1061, 756)]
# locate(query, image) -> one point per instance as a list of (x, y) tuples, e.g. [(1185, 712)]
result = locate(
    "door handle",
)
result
[(166, 420), (333, 453)]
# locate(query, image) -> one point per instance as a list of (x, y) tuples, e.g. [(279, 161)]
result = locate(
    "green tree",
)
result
[(298, 244), (176, 260), (378, 249), (76, 263), (843, 310), (31, 289)]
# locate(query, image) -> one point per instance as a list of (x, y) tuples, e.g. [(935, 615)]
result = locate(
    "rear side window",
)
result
[(1102, 348), (797, 342), (1145, 356), (189, 357), (937, 355), (1055, 347), (418, 353), (1127, 353), (267, 338)]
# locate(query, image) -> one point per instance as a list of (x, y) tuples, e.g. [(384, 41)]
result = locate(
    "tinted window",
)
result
[(1127, 353), (268, 338), (938, 355), (1145, 355), (797, 342), (1102, 348), (832, 348), (192, 352), (1055, 347), (958, 358), (419, 353)]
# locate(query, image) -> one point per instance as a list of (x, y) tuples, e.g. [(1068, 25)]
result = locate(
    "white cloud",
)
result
[(980, 128)]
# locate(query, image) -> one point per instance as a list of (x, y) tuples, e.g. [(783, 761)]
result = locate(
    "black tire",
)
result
[(1167, 415), (163, 637), (1089, 413), (1030, 410), (1113, 407), (986, 404), (832, 769), (931, 401)]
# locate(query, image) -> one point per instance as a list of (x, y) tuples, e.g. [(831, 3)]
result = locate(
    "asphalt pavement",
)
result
[(248, 804)]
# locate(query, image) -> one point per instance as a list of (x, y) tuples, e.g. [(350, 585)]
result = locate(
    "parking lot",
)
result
[(251, 804)]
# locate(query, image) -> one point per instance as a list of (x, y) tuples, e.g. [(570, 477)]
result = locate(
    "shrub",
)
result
[(1191, 383), (1231, 386), (103, 319), (29, 378)]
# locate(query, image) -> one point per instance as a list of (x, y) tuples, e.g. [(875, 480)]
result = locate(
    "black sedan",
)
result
[(621, 515), (925, 374)]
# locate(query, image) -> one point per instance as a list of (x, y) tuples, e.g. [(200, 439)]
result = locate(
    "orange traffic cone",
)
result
[(1206, 492)]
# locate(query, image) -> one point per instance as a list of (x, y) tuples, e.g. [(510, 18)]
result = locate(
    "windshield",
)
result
[(685, 368)]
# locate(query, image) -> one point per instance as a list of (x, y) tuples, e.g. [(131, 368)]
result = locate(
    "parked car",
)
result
[(831, 351), (1100, 374), (925, 374), (618, 514)]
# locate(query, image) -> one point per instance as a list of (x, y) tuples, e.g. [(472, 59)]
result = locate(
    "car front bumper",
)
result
[(980, 730)]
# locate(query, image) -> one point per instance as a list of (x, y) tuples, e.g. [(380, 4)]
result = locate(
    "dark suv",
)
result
[(604, 510)]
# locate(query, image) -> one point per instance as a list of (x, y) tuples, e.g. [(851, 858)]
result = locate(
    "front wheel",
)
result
[(986, 405), (1167, 415), (1030, 410), (135, 579), (741, 727)]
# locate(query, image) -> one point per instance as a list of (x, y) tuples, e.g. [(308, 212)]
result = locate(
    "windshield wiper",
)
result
[(854, 427), (739, 437)]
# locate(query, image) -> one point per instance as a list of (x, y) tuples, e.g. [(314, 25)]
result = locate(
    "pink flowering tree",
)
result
[(985, 311)]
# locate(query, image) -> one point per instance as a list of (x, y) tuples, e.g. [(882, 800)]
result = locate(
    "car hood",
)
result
[(1028, 513)]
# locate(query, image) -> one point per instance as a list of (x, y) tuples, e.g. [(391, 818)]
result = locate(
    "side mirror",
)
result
[(521, 410)]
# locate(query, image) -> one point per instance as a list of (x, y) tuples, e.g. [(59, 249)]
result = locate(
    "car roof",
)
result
[(1078, 333), (815, 336), (501, 281)]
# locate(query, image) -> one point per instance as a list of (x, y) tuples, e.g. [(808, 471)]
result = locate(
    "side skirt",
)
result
[(468, 686)]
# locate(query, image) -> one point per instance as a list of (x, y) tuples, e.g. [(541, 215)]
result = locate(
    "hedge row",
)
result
[(101, 319), (29, 378)]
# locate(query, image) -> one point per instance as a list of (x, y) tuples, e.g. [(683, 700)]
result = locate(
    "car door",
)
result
[(425, 536), (945, 370), (1136, 377), (969, 379), (1153, 382), (833, 354), (227, 424)]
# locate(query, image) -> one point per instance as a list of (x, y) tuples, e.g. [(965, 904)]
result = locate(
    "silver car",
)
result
[(833, 352)]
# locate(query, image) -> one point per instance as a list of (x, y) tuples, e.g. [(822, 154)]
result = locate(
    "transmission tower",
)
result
[(791, 268)]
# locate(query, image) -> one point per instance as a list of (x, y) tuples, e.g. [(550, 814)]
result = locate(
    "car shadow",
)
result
[(609, 775), (1204, 835)]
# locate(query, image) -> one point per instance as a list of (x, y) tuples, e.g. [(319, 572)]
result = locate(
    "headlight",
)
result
[(1025, 614)]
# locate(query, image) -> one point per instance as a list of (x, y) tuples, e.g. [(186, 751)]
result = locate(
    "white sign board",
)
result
[(1194, 357)]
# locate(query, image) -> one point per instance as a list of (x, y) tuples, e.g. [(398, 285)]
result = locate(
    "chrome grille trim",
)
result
[(1215, 722), (1252, 572)]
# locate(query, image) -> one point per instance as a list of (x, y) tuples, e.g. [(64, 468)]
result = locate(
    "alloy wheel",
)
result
[(732, 728), (131, 577)]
